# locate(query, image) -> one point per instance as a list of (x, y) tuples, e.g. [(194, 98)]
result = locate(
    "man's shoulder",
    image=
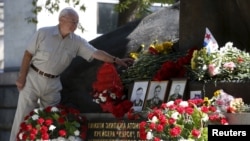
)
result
[(47, 28)]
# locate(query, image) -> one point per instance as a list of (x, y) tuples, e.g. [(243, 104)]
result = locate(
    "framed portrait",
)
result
[(177, 89), (195, 94), (156, 94), (138, 94)]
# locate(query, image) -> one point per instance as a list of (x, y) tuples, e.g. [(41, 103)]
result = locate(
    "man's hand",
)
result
[(20, 82), (125, 62)]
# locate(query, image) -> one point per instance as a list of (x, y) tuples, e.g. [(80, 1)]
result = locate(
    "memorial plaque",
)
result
[(113, 130)]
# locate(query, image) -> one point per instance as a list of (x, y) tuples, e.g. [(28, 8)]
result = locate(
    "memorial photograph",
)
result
[(156, 94), (177, 89), (138, 94)]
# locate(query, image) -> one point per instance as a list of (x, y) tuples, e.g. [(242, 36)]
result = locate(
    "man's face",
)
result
[(139, 93), (157, 91), (69, 23), (177, 89)]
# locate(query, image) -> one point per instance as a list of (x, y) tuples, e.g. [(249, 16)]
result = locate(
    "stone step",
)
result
[(8, 96), (6, 118), (8, 103), (8, 78)]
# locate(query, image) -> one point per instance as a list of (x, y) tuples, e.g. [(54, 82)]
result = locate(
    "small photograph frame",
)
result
[(156, 94), (177, 89), (196, 94), (138, 95)]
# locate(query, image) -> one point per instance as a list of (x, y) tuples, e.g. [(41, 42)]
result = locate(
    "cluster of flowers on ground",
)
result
[(227, 103), (109, 93), (53, 123), (180, 120), (227, 63)]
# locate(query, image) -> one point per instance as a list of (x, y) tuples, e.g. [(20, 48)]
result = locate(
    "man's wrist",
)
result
[(114, 60)]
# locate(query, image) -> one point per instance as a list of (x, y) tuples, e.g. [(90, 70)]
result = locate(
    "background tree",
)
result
[(128, 10)]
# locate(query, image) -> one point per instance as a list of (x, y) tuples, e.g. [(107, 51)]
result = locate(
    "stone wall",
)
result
[(17, 31)]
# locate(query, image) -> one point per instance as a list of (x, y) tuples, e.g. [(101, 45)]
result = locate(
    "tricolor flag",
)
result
[(209, 42)]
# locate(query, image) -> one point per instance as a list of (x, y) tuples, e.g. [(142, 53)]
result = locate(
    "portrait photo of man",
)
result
[(176, 91), (138, 101), (156, 94), (138, 95)]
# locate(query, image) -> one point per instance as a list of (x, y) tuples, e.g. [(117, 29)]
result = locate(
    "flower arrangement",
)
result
[(149, 60), (109, 93), (53, 124), (227, 63), (180, 121), (227, 103)]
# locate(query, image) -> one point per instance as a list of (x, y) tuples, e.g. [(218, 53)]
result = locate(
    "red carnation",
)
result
[(61, 120), (40, 121), (45, 136), (156, 139), (159, 128), (48, 122), (196, 133), (176, 131), (62, 133)]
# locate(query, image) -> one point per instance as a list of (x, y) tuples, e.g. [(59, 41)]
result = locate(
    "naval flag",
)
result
[(209, 42)]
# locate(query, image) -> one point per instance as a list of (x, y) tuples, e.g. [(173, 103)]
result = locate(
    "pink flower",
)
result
[(229, 65), (213, 70)]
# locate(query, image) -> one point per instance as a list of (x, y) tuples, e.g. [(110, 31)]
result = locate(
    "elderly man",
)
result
[(48, 54)]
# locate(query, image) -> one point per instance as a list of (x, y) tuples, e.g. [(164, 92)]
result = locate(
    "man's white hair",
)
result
[(68, 11)]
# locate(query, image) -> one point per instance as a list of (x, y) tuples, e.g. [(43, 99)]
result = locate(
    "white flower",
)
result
[(102, 98), (154, 119), (229, 44), (52, 127), (54, 109), (112, 95), (175, 115), (170, 103), (61, 139), (204, 67), (204, 117), (183, 104), (35, 117), (77, 133), (149, 135), (36, 110), (21, 135), (72, 138), (96, 101)]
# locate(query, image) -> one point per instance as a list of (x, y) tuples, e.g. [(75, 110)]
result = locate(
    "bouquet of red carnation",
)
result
[(53, 123), (180, 121), (109, 93)]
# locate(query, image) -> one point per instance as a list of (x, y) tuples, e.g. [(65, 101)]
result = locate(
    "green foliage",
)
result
[(143, 5), (53, 6)]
